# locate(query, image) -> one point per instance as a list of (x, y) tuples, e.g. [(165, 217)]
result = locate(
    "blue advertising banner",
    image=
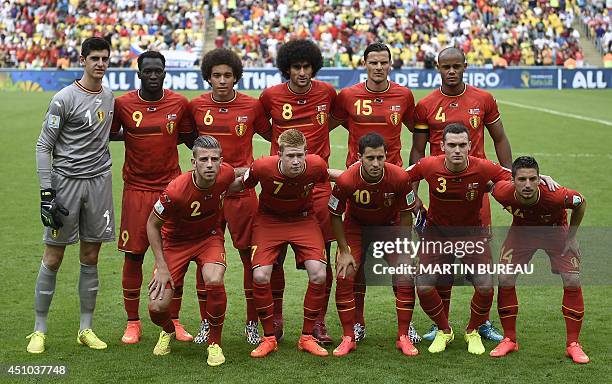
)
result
[(258, 79)]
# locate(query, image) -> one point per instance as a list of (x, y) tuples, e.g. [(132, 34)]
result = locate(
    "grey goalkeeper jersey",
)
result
[(74, 137)]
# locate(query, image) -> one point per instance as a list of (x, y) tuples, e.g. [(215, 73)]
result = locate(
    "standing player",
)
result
[(154, 121), (457, 183), (373, 193), (539, 221), (376, 105), (304, 104), (74, 168), (184, 226), (457, 102), (286, 217), (233, 118)]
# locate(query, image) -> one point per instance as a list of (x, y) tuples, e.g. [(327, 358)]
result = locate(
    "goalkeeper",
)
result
[(74, 168)]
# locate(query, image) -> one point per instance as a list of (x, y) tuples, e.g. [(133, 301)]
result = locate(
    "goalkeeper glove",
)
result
[(50, 209)]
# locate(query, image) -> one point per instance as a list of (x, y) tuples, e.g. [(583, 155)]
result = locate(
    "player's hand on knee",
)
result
[(157, 285), (344, 262), (51, 211)]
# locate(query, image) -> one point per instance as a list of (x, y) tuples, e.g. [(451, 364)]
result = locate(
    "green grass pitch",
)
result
[(574, 151)]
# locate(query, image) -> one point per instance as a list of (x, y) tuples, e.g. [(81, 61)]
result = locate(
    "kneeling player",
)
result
[(184, 226), (540, 222), (374, 193), (286, 217)]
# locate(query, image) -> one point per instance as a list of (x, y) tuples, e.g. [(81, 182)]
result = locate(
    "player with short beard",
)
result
[(302, 103), (370, 193), (539, 221)]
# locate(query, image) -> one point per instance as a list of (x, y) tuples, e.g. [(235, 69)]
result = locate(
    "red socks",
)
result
[(215, 310), (262, 295), (507, 307), (245, 256), (359, 290), (163, 320), (432, 305), (175, 304), (277, 283), (445, 292), (573, 312), (404, 306), (131, 281), (479, 308), (345, 303), (313, 302)]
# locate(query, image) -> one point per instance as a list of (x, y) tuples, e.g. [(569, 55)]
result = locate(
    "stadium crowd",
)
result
[(45, 33), (595, 19)]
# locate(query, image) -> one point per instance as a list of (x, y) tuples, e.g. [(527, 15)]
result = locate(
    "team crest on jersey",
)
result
[(471, 195), (170, 127), (307, 189), (241, 129), (474, 121), (54, 233), (389, 198), (395, 118), (100, 115), (321, 117)]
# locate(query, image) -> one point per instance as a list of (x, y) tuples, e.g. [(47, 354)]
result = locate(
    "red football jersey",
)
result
[(282, 195), (190, 212), (307, 112), (366, 111), (372, 203), (548, 210), (150, 131), (233, 123), (475, 108), (455, 198)]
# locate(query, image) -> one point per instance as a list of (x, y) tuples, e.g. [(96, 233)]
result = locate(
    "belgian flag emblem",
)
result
[(395, 118), (474, 121), (100, 116)]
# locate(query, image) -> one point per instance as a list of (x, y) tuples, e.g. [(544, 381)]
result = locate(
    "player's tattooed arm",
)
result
[(161, 277), (334, 174)]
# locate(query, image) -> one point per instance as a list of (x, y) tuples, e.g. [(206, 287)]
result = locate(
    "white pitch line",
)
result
[(553, 112)]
